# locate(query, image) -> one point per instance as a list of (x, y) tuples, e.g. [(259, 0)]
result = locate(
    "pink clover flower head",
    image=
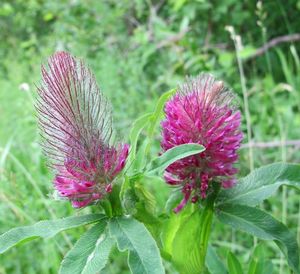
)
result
[(202, 111), (76, 123)]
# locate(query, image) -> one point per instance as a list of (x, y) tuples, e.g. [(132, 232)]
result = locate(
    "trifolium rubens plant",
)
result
[(201, 133)]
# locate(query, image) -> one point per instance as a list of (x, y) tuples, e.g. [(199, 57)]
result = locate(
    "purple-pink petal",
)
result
[(202, 112)]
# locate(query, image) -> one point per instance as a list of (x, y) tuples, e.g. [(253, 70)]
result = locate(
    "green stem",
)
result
[(115, 201), (107, 207), (112, 203)]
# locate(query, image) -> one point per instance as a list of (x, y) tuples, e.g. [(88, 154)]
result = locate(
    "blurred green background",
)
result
[(138, 49)]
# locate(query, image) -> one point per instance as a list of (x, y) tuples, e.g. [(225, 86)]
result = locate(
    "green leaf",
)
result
[(131, 235), (114, 200), (140, 159), (90, 254), (186, 245), (262, 225), (173, 200), (159, 110), (172, 155), (288, 73), (135, 132), (213, 262), (139, 202), (43, 229), (191, 240), (261, 184), (150, 120), (145, 197), (171, 227), (260, 266), (145, 210), (155, 117), (127, 195), (258, 263), (233, 264)]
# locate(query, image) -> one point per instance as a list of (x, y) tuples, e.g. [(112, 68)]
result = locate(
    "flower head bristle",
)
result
[(76, 123)]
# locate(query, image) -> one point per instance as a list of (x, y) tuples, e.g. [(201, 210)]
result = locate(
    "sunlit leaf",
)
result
[(261, 184), (190, 242), (172, 155), (90, 254), (171, 227), (131, 235), (44, 229)]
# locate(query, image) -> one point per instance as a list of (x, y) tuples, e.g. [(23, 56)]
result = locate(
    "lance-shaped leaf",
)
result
[(143, 253), (259, 263), (90, 254), (172, 155), (44, 229), (158, 112), (189, 246), (149, 120), (261, 184), (213, 262), (135, 132), (233, 264), (262, 225)]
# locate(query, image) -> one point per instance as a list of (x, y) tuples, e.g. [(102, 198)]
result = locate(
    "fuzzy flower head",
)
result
[(76, 124), (202, 112)]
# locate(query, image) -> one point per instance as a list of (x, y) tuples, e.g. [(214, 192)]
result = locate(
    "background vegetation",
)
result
[(139, 49)]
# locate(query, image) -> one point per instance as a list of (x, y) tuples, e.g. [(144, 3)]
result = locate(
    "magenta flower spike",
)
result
[(76, 124), (202, 112)]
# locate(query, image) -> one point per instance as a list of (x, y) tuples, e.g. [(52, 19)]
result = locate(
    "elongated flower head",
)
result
[(202, 111), (76, 124)]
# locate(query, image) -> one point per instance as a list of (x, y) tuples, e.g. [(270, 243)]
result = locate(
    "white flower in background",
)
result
[(24, 87)]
